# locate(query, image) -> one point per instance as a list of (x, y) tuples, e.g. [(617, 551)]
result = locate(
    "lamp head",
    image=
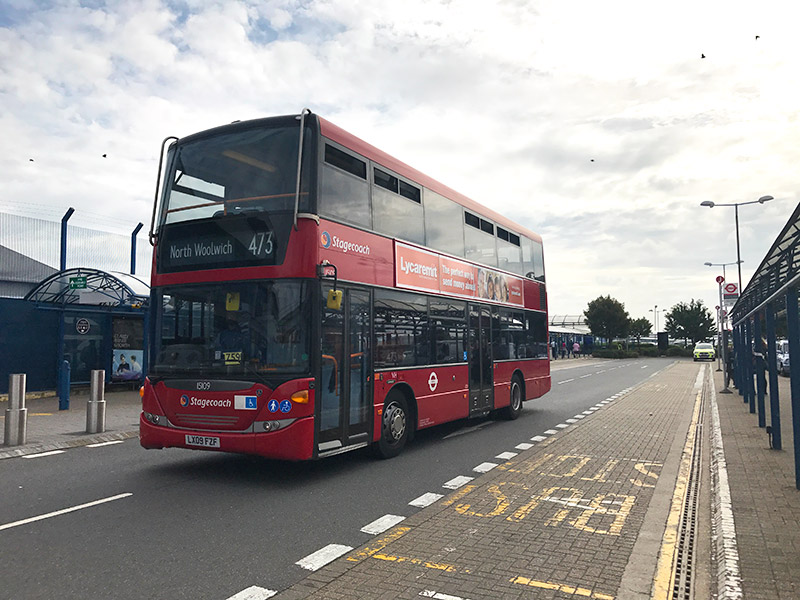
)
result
[(708, 264), (765, 199), (707, 203)]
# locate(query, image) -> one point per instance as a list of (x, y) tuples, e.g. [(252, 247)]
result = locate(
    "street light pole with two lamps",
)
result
[(736, 206)]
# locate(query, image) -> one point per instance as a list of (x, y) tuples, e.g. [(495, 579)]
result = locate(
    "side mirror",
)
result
[(335, 299)]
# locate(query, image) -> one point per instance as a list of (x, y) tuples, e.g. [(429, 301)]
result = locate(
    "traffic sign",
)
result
[(77, 283), (731, 288), (720, 279)]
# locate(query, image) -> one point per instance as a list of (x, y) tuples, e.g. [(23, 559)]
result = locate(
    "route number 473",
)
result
[(261, 244)]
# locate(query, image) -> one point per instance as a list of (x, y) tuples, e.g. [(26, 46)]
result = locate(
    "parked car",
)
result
[(704, 351), (782, 354)]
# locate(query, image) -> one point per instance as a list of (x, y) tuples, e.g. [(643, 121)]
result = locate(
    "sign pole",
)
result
[(725, 390)]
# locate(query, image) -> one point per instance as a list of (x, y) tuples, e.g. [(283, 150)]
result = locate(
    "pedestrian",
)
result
[(576, 349), (563, 349), (554, 348)]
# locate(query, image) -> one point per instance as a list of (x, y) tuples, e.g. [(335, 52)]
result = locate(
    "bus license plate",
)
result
[(202, 440)]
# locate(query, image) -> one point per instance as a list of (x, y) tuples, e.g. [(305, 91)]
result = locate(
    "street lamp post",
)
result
[(655, 312), (736, 206)]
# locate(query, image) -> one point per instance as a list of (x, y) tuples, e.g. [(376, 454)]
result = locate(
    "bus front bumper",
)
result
[(295, 442)]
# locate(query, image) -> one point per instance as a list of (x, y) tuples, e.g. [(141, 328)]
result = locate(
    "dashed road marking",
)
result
[(323, 556), (524, 446), (426, 500), (64, 511), (538, 438), (587, 375), (382, 524), (571, 421), (105, 444), (562, 426), (644, 367), (457, 482), (581, 416), (254, 593), (43, 454), (550, 432), (506, 455), (484, 467), (566, 381)]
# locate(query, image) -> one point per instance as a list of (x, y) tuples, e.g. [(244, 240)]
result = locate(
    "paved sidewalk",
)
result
[(560, 519), (766, 503), (52, 429)]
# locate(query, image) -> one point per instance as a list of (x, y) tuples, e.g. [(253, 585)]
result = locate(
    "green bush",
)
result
[(648, 351), (679, 351)]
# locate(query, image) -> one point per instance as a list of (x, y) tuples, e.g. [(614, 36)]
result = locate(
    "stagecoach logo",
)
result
[(327, 240), (433, 381), (184, 401), (205, 402)]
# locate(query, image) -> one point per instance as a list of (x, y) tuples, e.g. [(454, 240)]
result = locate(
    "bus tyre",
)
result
[(394, 426), (514, 408)]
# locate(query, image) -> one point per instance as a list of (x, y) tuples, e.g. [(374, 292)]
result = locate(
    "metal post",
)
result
[(63, 385), (721, 329), (16, 421), (793, 331), (726, 376), (758, 367), (736, 360), (748, 366), (133, 247), (772, 362), (64, 220), (738, 252), (96, 405)]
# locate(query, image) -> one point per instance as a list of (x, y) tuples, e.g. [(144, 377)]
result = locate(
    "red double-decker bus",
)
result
[(313, 295)]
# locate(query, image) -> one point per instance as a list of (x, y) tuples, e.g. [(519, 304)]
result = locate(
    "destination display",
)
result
[(418, 269), (240, 241)]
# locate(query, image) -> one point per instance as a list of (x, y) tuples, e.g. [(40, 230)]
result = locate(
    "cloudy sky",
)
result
[(596, 124)]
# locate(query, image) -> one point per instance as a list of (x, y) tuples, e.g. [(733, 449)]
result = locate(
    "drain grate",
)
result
[(685, 547)]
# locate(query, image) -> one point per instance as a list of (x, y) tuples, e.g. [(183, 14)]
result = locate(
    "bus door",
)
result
[(480, 360), (344, 390)]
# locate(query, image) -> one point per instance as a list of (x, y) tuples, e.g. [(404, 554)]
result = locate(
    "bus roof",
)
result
[(339, 135)]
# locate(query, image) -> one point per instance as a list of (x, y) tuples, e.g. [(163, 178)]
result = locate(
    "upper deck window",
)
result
[(345, 192), (345, 161), (252, 170)]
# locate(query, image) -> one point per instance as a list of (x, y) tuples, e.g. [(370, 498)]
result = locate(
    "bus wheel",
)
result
[(514, 407), (394, 426)]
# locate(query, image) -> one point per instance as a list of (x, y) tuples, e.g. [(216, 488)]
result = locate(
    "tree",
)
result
[(639, 328), (607, 318), (692, 321)]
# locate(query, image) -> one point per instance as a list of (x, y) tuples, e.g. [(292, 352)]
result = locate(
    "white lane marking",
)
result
[(64, 511), (105, 444), (550, 432), (598, 372), (426, 500), (605, 401), (41, 454), (581, 416), (506, 455), (644, 367), (438, 596), (571, 421), (538, 438), (484, 467), (587, 375), (562, 426), (254, 593), (587, 412), (323, 556), (457, 482), (382, 524), (566, 381), (524, 446)]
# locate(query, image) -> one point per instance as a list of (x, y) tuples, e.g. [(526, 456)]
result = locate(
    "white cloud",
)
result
[(597, 124)]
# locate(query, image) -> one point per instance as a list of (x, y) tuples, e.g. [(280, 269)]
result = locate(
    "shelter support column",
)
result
[(793, 330), (772, 362), (758, 366)]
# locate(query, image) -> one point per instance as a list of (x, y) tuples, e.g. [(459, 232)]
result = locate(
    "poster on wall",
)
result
[(127, 347)]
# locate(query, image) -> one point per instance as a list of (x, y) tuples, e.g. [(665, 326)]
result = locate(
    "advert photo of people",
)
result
[(492, 286)]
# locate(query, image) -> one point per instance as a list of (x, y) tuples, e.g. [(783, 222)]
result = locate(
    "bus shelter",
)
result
[(102, 323), (766, 312)]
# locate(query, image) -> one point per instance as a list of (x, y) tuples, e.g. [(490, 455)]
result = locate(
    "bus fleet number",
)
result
[(261, 244)]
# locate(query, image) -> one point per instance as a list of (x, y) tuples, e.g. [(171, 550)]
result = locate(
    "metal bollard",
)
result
[(96, 405), (16, 422), (63, 385)]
